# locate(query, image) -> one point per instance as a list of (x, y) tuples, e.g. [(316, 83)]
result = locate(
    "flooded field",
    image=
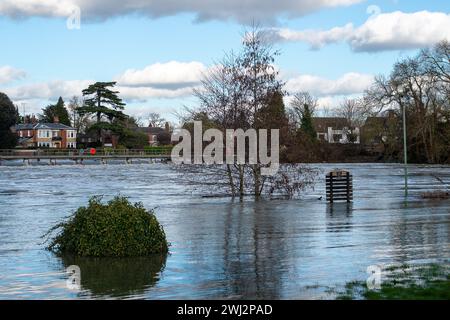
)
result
[(282, 249)]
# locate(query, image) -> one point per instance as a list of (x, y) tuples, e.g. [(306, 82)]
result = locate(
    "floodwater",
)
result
[(281, 249)]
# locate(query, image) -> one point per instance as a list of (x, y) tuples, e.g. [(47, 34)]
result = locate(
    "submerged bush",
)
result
[(115, 229)]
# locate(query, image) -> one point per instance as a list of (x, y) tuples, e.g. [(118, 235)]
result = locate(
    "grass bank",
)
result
[(405, 282)]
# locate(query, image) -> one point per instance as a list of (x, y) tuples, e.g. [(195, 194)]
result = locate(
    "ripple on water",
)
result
[(220, 248)]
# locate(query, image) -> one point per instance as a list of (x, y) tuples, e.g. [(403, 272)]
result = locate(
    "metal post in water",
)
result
[(405, 151)]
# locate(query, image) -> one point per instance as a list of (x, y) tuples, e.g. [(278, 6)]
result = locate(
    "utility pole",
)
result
[(405, 151), (402, 93)]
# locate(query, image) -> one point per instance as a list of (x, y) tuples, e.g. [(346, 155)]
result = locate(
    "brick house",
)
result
[(155, 134), (47, 135)]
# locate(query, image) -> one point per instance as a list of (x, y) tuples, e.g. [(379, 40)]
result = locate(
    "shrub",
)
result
[(115, 229)]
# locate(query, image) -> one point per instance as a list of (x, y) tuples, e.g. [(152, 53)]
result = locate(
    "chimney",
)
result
[(33, 119), (55, 119)]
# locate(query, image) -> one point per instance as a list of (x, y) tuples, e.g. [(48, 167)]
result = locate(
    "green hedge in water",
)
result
[(116, 229)]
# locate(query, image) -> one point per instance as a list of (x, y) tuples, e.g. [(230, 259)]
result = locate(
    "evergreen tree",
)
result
[(105, 105), (306, 124), (8, 118), (273, 114), (56, 110)]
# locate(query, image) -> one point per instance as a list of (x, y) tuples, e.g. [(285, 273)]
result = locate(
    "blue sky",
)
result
[(41, 58)]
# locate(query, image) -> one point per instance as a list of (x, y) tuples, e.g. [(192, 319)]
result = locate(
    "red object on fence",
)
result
[(93, 151)]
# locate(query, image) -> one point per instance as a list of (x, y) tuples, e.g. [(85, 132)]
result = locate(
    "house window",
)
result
[(21, 134)]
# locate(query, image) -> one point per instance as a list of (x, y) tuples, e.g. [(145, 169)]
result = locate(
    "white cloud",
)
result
[(349, 83), (175, 81), (327, 102), (47, 90), (160, 80), (29, 8), (242, 11), (143, 110), (172, 74), (145, 93), (316, 39), (53, 89), (136, 86), (9, 74), (385, 31)]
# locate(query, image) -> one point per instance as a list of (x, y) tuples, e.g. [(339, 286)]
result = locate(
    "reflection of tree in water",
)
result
[(339, 217), (254, 251), (117, 277)]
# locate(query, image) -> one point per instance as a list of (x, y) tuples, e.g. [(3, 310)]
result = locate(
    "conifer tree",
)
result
[(306, 124), (105, 105), (58, 110)]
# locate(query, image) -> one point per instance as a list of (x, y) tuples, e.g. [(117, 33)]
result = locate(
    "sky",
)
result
[(157, 50)]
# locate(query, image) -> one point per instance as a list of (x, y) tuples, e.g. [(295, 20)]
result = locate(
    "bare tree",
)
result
[(437, 62), (155, 120), (298, 103), (420, 86), (80, 122), (234, 95), (353, 110)]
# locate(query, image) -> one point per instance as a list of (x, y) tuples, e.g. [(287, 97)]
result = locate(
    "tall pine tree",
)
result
[(105, 105)]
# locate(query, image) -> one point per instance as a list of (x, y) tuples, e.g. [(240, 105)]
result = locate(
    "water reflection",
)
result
[(339, 216), (117, 277), (255, 251)]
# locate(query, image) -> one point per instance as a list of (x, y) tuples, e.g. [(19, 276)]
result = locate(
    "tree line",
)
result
[(98, 111), (420, 85), (244, 91)]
